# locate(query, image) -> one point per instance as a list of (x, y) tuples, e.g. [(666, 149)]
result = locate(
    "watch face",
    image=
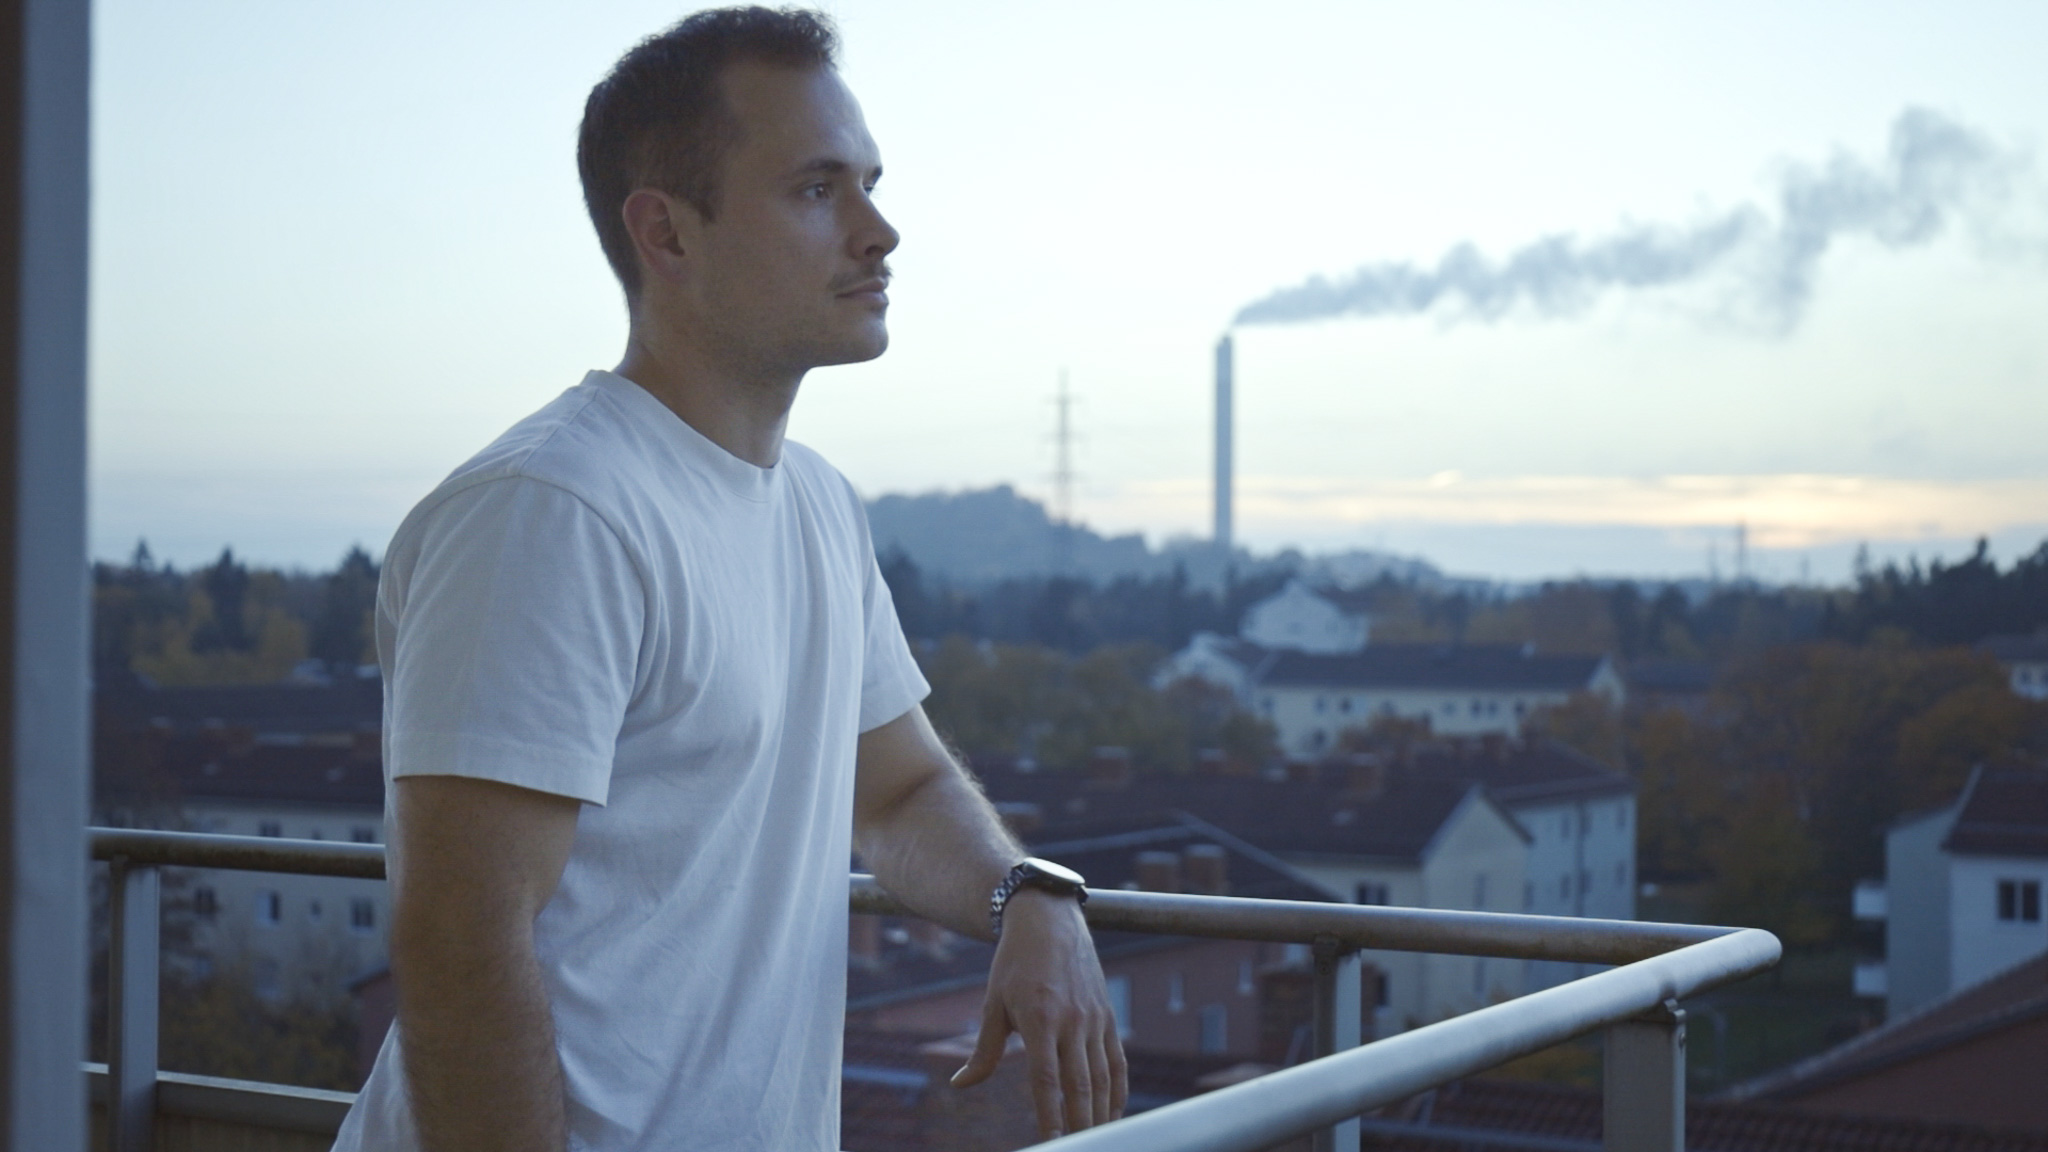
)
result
[(1059, 875)]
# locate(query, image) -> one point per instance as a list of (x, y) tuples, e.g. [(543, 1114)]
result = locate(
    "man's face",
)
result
[(789, 273)]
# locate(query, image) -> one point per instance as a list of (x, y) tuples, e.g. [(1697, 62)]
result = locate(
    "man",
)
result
[(646, 692)]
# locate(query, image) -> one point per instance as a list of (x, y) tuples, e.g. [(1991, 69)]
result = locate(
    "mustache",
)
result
[(876, 271)]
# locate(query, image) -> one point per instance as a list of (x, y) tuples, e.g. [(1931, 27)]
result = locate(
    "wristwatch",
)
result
[(1043, 875)]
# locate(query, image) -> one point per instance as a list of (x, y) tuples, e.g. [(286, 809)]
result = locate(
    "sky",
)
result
[(338, 248)]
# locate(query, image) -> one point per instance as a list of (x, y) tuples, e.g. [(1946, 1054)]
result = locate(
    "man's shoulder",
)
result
[(572, 444)]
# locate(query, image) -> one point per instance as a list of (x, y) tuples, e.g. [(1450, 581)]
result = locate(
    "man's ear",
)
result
[(655, 221)]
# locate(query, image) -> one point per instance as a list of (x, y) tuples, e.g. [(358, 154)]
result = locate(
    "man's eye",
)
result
[(818, 191)]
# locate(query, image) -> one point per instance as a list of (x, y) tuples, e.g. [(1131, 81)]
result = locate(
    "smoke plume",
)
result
[(1934, 170)]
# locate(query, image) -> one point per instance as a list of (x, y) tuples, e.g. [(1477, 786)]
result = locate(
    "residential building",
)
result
[(1302, 661), (1494, 825), (1973, 1057), (1963, 889), (2025, 659), (300, 762)]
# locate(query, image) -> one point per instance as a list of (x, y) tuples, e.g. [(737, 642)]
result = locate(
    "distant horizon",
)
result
[(1695, 551)]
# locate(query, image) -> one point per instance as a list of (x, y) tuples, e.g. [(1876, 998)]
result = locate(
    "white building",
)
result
[(297, 762), (1303, 661), (1964, 889), (2025, 659), (1302, 619)]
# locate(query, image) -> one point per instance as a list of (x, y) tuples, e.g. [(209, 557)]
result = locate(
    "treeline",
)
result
[(1775, 795), (1035, 703), (228, 623), (1945, 603), (1075, 616)]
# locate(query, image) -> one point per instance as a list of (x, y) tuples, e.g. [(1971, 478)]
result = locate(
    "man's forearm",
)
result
[(941, 849), (479, 1048)]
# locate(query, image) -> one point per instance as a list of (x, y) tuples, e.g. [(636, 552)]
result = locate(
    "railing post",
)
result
[(1337, 1014), (134, 900), (1644, 1088)]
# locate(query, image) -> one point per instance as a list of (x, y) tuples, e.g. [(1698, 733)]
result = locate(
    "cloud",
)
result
[(1934, 171)]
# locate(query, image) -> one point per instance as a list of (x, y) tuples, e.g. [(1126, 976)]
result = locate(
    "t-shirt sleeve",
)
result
[(516, 641), (890, 680)]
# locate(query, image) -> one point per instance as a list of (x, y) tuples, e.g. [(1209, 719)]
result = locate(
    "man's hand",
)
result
[(925, 830), (1046, 986)]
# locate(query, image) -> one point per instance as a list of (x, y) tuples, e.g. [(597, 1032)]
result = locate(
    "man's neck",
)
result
[(740, 413)]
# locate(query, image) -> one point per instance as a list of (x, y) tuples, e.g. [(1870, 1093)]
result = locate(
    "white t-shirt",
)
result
[(606, 605)]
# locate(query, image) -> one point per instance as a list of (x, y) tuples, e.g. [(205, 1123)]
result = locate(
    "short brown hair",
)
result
[(658, 119)]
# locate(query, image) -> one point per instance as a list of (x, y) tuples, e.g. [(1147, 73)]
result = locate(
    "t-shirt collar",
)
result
[(742, 478)]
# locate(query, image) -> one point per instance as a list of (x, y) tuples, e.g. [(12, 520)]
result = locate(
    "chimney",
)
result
[(1158, 872), (1110, 767), (864, 941), (1207, 868), (1225, 371), (1021, 817)]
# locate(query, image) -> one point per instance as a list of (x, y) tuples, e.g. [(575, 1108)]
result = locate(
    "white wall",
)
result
[(1296, 618), (1310, 720), (1980, 944), (320, 930), (1917, 915), (1581, 863)]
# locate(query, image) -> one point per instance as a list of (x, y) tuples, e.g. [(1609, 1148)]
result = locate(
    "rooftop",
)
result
[(2005, 814)]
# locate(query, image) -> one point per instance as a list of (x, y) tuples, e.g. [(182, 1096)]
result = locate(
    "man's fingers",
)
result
[(1046, 1093), (1104, 1097), (1119, 1073), (1077, 1082), (988, 1049)]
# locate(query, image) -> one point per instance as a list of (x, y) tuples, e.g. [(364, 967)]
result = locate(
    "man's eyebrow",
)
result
[(830, 166)]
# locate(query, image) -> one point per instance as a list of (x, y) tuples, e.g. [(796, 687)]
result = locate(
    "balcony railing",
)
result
[(1636, 1003)]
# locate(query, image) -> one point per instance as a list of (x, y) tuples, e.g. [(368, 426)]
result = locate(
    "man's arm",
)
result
[(932, 839), (474, 863)]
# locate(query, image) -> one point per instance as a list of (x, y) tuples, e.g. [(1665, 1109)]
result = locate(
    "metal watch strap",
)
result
[(1018, 877)]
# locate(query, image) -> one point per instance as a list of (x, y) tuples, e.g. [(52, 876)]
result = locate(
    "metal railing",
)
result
[(1635, 1003)]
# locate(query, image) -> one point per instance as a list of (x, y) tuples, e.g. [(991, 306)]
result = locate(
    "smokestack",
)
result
[(1224, 371)]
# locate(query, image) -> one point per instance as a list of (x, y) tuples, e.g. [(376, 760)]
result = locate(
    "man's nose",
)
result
[(876, 237)]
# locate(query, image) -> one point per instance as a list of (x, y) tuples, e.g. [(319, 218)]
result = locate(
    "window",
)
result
[(1479, 891), (1176, 993), (1371, 892), (1564, 885), (2019, 901), (205, 902), (1119, 988), (1528, 895), (269, 906), (1621, 815), (362, 834), (1246, 984), (269, 828), (362, 915), (1382, 990), (1344, 705), (1621, 874), (1321, 705), (314, 910), (1585, 880), (1215, 1028)]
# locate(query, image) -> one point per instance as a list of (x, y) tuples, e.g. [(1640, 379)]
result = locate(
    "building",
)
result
[(1963, 888), (1302, 660), (1972, 1057), (300, 762), (2025, 659), (1489, 825), (1197, 997)]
